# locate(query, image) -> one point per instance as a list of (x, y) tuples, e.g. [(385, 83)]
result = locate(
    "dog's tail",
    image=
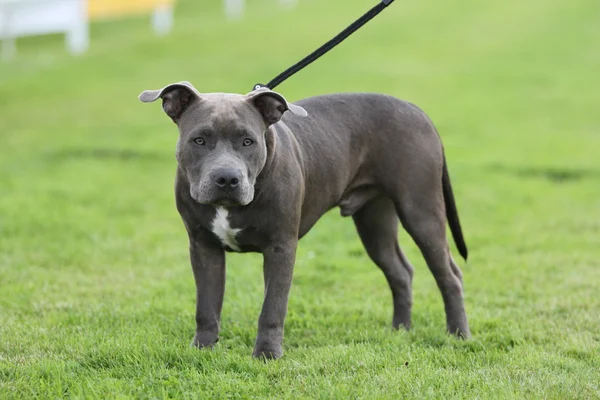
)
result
[(452, 213)]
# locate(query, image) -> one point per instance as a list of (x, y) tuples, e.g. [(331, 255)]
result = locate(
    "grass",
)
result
[(96, 292)]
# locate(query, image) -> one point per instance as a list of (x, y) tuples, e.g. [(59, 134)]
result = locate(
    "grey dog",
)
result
[(252, 177)]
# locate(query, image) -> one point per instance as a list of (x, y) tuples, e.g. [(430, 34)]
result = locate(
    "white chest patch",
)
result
[(221, 228)]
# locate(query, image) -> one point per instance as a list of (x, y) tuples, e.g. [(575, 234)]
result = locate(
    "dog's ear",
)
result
[(272, 105), (176, 98)]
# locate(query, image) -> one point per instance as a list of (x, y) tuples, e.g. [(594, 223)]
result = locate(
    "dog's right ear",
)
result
[(271, 105), (176, 98)]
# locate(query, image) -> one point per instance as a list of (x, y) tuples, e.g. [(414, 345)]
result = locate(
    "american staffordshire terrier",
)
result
[(255, 173)]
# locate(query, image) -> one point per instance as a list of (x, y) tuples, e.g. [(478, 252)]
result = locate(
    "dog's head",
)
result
[(221, 147)]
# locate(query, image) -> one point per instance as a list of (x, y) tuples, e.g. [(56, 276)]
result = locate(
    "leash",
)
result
[(321, 51)]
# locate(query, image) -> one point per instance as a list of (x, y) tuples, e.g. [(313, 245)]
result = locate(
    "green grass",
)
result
[(96, 292)]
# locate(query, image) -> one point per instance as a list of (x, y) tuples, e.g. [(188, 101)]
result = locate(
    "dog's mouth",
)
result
[(221, 201), (222, 198), (225, 203)]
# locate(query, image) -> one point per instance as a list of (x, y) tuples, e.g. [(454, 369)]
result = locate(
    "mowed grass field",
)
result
[(96, 292)]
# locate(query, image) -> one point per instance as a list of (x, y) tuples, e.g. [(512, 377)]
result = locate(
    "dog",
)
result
[(255, 173)]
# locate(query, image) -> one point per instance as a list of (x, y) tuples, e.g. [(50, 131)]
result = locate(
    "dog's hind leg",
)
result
[(422, 214), (377, 225)]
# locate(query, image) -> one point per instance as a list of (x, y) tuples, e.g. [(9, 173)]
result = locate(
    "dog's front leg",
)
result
[(208, 264), (278, 271)]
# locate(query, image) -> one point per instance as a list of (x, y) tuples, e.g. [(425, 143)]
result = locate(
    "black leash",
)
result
[(356, 25)]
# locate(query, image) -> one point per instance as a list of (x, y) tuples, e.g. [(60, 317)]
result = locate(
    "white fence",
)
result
[(40, 17), (20, 18)]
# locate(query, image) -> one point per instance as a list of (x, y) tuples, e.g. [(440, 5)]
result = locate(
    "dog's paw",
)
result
[(204, 341), (460, 331), (268, 352)]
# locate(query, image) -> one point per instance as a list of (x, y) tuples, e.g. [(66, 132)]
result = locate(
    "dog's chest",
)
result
[(221, 227)]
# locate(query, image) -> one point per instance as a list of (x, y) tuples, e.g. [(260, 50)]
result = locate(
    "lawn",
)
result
[(96, 292)]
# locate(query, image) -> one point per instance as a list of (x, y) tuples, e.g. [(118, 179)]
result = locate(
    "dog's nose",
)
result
[(226, 179)]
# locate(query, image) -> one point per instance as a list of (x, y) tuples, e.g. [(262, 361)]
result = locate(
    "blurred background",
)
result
[(89, 233)]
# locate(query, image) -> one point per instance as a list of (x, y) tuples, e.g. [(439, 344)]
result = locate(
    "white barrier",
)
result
[(39, 17), (19, 18), (234, 9)]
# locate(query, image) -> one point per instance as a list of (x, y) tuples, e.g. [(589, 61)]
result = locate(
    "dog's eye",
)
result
[(248, 142), (199, 141)]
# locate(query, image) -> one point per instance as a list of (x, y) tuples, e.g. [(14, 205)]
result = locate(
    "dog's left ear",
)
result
[(272, 105)]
